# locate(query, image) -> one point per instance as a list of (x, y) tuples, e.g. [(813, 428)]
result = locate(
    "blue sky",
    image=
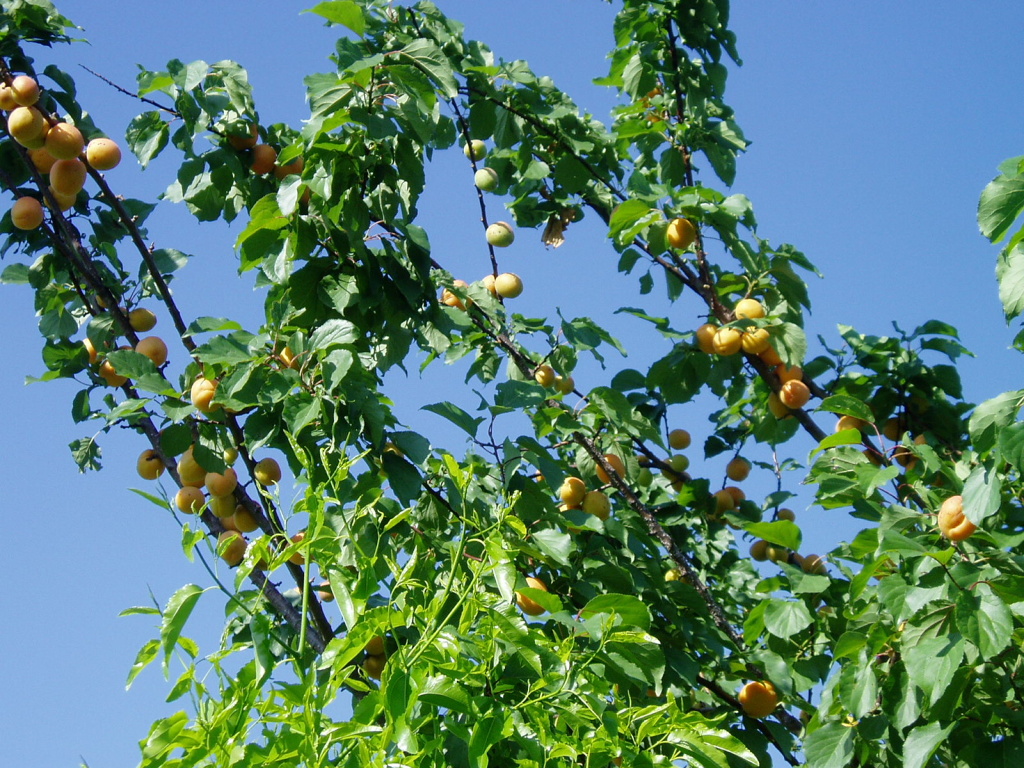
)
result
[(874, 126)]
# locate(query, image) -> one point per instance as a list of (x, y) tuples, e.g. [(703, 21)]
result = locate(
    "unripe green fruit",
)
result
[(508, 285), (475, 150), (486, 179), (500, 234)]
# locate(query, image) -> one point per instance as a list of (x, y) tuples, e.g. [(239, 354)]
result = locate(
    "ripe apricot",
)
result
[(289, 169), (42, 160), (189, 499), (244, 520), (789, 373), (202, 393), (26, 125), (565, 385), (449, 299), (374, 665), (755, 341), (596, 503), (706, 337), (737, 494), (68, 176), (7, 102), (572, 491), (738, 469), (724, 501), (770, 357), (681, 233), (727, 341), (231, 547), (679, 439), (91, 351), (64, 141), (616, 463), (219, 484), (189, 470), (103, 154), (25, 90), (786, 514), (813, 564), (27, 213), (528, 605), (245, 139), (149, 465), (154, 348), (759, 550), (749, 309), (267, 471), (110, 375), (794, 394), (224, 508), (953, 524), (544, 375), (850, 422), (64, 202), (141, 320), (776, 406), (758, 699), (264, 158)]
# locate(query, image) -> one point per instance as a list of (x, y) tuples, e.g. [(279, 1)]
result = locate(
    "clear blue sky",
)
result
[(874, 125)]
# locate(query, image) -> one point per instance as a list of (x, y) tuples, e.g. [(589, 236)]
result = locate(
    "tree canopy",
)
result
[(559, 584)]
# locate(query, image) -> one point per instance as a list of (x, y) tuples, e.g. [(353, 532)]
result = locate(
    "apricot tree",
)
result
[(377, 617)]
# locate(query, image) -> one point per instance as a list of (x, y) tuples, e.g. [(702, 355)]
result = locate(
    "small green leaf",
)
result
[(982, 491), (143, 659), (844, 437), (629, 609), (830, 746), (1001, 203), (782, 532), (847, 406), (147, 135), (783, 618), (456, 416), (178, 609), (344, 12)]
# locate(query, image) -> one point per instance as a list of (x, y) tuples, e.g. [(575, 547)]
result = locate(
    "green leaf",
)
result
[(830, 746), (1010, 274), (984, 620), (443, 692), (431, 60), (931, 663), (785, 533), (992, 415), (456, 416), (858, 687), (982, 491), (790, 342), (147, 135), (622, 226), (178, 609), (783, 618), (344, 12), (847, 406), (333, 333), (1001, 203), (844, 437), (922, 742), (143, 659), (554, 544), (629, 609)]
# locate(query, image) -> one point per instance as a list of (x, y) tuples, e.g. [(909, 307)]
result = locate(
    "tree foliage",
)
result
[(410, 634)]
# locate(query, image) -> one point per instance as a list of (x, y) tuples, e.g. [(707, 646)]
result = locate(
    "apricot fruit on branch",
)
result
[(953, 524), (26, 125), (264, 158), (681, 233), (103, 154), (528, 605), (27, 213), (544, 375), (679, 439), (189, 500), (755, 341), (508, 285), (141, 320), (68, 176), (794, 394), (246, 139), (231, 547), (758, 699), (154, 348), (749, 309), (738, 469), (25, 90), (727, 341), (706, 338), (267, 472), (219, 484), (597, 503), (64, 141), (486, 179), (615, 463), (149, 465), (500, 234), (475, 150), (564, 384), (572, 490), (202, 393)]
